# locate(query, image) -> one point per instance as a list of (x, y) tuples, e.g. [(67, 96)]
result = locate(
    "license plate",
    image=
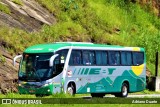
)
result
[(31, 91)]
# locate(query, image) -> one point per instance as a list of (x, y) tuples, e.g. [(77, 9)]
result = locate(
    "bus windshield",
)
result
[(35, 67)]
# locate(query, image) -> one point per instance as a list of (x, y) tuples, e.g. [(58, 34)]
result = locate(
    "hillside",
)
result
[(120, 22)]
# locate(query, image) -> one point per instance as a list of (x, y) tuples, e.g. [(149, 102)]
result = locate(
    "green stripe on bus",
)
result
[(86, 71), (82, 71), (95, 71), (110, 70)]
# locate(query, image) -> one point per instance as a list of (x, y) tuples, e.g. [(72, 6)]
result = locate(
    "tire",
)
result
[(124, 91), (70, 90), (100, 95)]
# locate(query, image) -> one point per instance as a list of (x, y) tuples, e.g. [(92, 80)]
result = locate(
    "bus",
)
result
[(81, 68)]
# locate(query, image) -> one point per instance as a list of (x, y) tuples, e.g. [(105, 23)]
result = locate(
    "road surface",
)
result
[(133, 96)]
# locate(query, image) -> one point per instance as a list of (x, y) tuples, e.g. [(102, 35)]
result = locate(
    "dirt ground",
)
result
[(8, 73)]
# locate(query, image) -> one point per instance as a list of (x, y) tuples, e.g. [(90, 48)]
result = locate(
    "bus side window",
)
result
[(114, 58), (88, 58), (60, 60), (98, 57), (75, 58), (126, 58), (138, 58), (104, 58), (101, 58)]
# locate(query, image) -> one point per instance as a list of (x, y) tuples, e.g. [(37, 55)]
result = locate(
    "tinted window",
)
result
[(104, 58), (75, 58), (101, 58), (35, 67), (114, 58), (88, 58), (62, 54), (126, 58), (138, 58), (60, 61)]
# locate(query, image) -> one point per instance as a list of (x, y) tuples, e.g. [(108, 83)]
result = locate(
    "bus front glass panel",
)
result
[(35, 67)]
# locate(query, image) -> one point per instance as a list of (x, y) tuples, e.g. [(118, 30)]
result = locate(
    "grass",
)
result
[(19, 2), (16, 40), (69, 98), (2, 59), (62, 95), (145, 92), (84, 105), (4, 8), (99, 101), (49, 4)]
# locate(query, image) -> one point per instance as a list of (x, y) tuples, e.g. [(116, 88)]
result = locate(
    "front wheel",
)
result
[(70, 90)]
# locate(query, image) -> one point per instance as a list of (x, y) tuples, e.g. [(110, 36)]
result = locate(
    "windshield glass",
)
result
[(35, 67)]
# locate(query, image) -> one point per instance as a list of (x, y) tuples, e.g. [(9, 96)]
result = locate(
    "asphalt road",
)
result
[(145, 95), (133, 96)]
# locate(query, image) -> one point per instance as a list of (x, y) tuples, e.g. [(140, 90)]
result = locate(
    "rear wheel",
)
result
[(124, 91)]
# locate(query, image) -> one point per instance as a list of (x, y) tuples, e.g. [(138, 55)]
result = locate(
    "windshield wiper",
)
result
[(33, 78), (34, 70)]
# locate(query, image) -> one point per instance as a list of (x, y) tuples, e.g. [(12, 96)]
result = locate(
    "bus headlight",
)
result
[(47, 84), (19, 84)]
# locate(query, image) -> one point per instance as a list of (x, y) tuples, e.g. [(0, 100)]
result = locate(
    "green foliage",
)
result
[(4, 8), (19, 2), (16, 95), (65, 31), (2, 59), (49, 4), (118, 22), (17, 40)]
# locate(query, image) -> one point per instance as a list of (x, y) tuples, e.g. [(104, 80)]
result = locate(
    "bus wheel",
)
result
[(124, 91), (70, 90)]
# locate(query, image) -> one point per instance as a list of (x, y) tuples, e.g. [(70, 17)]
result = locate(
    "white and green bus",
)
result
[(80, 68)]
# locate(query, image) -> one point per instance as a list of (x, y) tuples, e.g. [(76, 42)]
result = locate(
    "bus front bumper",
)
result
[(44, 90)]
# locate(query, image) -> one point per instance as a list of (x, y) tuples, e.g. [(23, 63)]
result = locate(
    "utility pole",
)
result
[(157, 78), (156, 64)]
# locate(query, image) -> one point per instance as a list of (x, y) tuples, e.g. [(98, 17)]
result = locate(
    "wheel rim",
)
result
[(70, 90), (124, 90)]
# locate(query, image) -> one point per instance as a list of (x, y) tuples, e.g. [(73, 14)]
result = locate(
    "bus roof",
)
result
[(52, 47)]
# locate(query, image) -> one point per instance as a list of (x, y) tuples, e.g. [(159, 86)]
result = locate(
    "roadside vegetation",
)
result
[(19, 2), (4, 8), (62, 95), (117, 22), (68, 100)]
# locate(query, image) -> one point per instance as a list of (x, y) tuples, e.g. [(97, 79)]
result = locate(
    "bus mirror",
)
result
[(52, 59), (15, 58)]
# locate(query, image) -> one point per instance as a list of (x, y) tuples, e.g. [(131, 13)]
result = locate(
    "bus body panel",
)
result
[(105, 79)]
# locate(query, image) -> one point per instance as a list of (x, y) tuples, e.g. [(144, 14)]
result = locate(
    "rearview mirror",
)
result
[(15, 58), (52, 59)]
